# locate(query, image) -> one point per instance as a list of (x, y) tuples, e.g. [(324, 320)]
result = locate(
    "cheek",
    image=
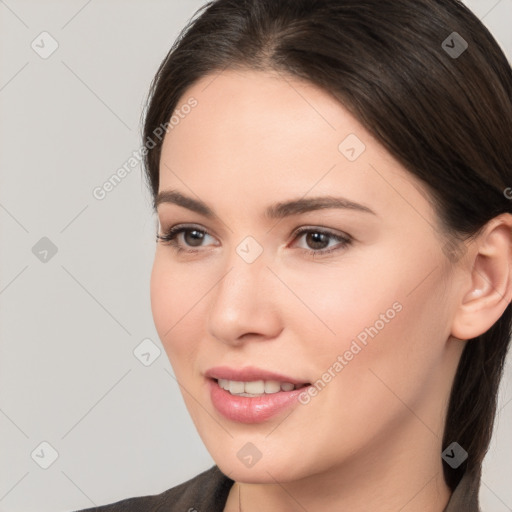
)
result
[(377, 363), (393, 343), (387, 313), (344, 302), (173, 300)]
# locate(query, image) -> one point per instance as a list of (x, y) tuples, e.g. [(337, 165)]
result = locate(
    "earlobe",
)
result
[(488, 284)]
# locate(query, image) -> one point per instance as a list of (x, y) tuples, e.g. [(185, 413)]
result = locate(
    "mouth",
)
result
[(257, 388), (252, 395)]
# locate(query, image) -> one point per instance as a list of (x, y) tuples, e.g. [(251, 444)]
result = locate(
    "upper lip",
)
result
[(249, 374)]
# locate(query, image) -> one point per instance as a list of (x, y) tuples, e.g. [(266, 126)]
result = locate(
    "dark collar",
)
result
[(209, 491), (465, 496)]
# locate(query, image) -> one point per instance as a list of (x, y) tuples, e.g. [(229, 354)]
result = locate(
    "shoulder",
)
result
[(207, 491)]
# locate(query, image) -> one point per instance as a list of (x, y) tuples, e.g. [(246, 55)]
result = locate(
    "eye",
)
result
[(184, 236), (320, 241)]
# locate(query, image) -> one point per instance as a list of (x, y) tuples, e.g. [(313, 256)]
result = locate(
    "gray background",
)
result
[(69, 325)]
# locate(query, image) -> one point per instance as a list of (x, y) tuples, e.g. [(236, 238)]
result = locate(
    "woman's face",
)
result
[(358, 304)]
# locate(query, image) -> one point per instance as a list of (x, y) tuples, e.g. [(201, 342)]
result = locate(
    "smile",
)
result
[(252, 395), (256, 387)]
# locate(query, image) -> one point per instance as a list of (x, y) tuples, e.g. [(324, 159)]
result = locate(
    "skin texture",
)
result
[(371, 439)]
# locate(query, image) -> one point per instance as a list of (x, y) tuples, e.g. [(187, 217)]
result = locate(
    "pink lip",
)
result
[(244, 409), (249, 373)]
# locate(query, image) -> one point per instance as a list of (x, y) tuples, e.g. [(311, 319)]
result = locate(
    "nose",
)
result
[(244, 303)]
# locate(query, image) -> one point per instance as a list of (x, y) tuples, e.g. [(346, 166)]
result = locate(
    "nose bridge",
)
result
[(246, 268), (242, 299)]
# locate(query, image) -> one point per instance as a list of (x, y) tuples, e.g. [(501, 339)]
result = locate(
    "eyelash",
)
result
[(170, 236)]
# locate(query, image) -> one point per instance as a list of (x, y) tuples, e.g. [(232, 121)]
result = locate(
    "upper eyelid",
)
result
[(301, 230), (184, 226), (320, 229)]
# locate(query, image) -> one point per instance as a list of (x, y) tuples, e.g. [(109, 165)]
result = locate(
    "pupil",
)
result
[(195, 237), (313, 239)]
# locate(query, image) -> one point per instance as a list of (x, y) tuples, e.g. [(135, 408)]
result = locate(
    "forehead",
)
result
[(259, 134), (274, 107)]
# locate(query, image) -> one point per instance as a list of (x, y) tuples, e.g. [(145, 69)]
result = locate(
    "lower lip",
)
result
[(244, 409)]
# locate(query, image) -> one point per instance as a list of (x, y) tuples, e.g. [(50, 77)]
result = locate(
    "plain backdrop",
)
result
[(74, 278)]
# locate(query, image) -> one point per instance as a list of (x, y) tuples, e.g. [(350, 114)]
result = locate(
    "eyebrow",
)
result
[(274, 211)]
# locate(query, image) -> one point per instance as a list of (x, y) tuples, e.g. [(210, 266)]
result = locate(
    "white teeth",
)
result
[(235, 387), (223, 383), (272, 386), (255, 387)]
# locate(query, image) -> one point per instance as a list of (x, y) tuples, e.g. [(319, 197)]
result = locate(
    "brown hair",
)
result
[(446, 117)]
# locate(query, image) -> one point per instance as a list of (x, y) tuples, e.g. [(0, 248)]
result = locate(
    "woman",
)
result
[(332, 279)]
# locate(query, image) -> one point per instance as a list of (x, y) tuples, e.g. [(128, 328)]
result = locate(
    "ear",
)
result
[(487, 283)]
